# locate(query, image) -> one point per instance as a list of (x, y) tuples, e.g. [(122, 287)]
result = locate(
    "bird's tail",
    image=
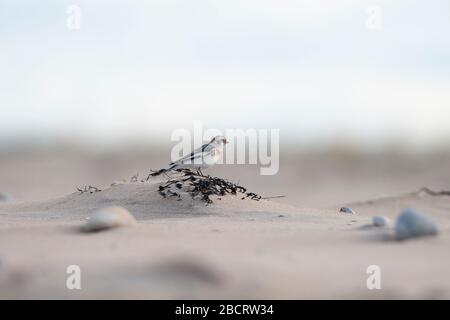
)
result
[(157, 173), (161, 171)]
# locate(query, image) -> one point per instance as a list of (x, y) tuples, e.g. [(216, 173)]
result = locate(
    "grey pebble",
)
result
[(347, 210), (5, 197), (380, 221), (411, 224)]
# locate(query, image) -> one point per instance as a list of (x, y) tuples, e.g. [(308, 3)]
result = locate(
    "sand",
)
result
[(231, 249)]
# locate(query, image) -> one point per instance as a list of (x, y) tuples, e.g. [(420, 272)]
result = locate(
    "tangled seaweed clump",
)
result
[(193, 183), (202, 187)]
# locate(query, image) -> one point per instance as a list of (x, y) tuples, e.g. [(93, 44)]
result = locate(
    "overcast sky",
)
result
[(320, 71)]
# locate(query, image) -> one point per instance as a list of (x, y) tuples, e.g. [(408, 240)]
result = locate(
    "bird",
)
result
[(205, 156)]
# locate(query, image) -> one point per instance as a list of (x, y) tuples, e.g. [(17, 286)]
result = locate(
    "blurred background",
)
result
[(90, 92)]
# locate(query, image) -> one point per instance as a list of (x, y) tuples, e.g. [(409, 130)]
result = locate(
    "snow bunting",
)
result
[(205, 156)]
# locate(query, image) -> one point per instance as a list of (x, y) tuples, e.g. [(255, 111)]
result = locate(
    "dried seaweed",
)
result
[(435, 193), (194, 183), (202, 187), (88, 189)]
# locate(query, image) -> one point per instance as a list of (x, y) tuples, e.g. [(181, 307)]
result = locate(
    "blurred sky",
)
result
[(136, 70)]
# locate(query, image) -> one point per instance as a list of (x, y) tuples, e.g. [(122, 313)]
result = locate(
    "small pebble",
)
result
[(118, 182), (107, 218), (347, 210), (4, 197), (380, 221), (411, 224)]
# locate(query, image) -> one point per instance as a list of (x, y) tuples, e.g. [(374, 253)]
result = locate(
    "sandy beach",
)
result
[(323, 129), (231, 249)]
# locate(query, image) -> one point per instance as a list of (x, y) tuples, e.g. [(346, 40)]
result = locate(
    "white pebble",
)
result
[(108, 218), (380, 221), (411, 224)]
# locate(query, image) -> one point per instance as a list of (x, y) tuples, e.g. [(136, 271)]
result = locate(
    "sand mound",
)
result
[(144, 201)]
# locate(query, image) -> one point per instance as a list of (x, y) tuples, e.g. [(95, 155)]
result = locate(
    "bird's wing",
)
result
[(197, 158), (197, 153)]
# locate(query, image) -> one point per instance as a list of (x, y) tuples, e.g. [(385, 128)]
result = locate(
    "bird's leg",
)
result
[(199, 170), (166, 175)]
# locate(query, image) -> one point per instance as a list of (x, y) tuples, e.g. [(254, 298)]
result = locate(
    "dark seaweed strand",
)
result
[(88, 189), (202, 187)]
